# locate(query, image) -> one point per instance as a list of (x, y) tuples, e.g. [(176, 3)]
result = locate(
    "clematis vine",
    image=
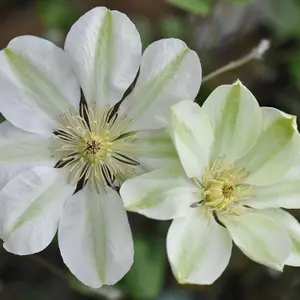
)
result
[(73, 135), (238, 167)]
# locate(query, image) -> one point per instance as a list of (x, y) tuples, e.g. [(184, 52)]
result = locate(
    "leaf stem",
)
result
[(256, 53)]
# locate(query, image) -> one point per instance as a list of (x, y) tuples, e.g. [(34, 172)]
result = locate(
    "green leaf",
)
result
[(2, 119), (200, 7), (173, 26), (146, 278), (284, 16), (57, 14)]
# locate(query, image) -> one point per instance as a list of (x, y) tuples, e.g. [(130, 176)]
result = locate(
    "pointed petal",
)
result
[(260, 238), (20, 151), (94, 237), (105, 48), (292, 226), (229, 108), (192, 136), (162, 194), (155, 149), (37, 84), (275, 151), (170, 72), (30, 208), (198, 248)]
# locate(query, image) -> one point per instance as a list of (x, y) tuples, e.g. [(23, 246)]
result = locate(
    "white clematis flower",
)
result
[(62, 155), (229, 186)]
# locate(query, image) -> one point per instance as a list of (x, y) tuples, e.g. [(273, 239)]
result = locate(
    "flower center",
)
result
[(95, 146), (222, 187)]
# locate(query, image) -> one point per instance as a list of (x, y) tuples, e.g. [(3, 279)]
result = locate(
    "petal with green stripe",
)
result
[(37, 84), (105, 49), (276, 149), (236, 120), (94, 237), (170, 72), (30, 208)]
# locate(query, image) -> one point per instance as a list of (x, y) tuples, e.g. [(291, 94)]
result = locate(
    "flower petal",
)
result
[(275, 151), (170, 72), (94, 237), (162, 194), (192, 136), (260, 238), (285, 193), (155, 149), (30, 208), (229, 108), (105, 48), (198, 248), (292, 226), (20, 151), (37, 84)]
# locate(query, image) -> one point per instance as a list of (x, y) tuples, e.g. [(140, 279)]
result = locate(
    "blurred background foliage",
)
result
[(220, 31)]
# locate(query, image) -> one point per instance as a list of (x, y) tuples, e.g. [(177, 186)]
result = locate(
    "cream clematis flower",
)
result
[(63, 156), (229, 186)]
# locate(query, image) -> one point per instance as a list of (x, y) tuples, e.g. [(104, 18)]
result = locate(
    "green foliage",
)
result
[(1, 118), (145, 29), (173, 26), (146, 277), (284, 17), (57, 14), (200, 7)]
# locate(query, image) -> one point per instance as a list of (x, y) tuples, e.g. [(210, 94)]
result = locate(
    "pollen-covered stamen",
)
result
[(222, 187), (95, 146)]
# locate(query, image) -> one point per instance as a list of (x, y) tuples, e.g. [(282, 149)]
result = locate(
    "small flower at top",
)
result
[(73, 135), (238, 167)]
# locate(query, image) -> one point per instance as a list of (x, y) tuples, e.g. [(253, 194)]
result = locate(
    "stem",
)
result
[(49, 266), (257, 53)]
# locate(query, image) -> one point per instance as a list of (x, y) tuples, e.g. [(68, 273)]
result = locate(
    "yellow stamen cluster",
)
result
[(95, 147), (222, 187)]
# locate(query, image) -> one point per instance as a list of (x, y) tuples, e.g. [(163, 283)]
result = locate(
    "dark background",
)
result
[(220, 31)]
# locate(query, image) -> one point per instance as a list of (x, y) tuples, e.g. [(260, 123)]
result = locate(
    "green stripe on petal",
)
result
[(162, 194), (30, 209), (236, 120), (95, 238), (260, 238), (105, 49), (37, 84), (275, 151), (198, 248), (170, 72), (102, 63), (44, 94)]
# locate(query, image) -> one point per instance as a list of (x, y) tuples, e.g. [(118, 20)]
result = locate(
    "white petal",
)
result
[(275, 151), (155, 149), (37, 84), (105, 48), (30, 208), (192, 136), (285, 194), (292, 226), (229, 108), (260, 238), (94, 237), (162, 194), (21, 150), (198, 248), (170, 72)]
